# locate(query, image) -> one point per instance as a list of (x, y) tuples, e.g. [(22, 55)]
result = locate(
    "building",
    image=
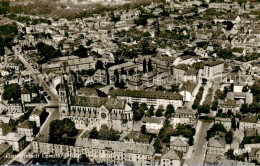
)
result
[(99, 150), (26, 95), (179, 143), (213, 68), (152, 124), (216, 145), (244, 97), (155, 98), (254, 154), (170, 158), (17, 141), (75, 64), (191, 75), (226, 105), (3, 106), (184, 116), (225, 121), (89, 112), (178, 72), (5, 150), (14, 107), (223, 162), (187, 90), (37, 116), (249, 121), (27, 128)]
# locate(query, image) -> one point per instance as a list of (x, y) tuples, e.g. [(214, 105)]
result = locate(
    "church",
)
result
[(92, 111)]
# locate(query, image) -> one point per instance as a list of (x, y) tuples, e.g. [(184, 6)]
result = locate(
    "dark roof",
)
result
[(4, 147), (192, 72), (249, 119), (146, 94), (188, 86), (25, 91), (151, 120), (109, 103), (214, 63)]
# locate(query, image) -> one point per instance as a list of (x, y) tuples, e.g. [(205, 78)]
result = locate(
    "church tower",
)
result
[(64, 99)]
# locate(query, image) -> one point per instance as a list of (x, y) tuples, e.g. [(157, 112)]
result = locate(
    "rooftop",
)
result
[(126, 147), (188, 86), (146, 94), (152, 120), (109, 103)]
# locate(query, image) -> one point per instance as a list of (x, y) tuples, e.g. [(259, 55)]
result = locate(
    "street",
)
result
[(53, 112), (200, 145)]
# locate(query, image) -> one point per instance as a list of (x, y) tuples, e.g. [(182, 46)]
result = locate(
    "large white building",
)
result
[(155, 98), (98, 150), (213, 68)]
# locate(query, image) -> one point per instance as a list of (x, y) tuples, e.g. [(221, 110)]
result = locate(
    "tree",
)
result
[(144, 66), (107, 77), (114, 18), (84, 159), (93, 133), (100, 65), (12, 92), (142, 20), (108, 134), (116, 77), (214, 129), (214, 106), (159, 112), (81, 52), (146, 34), (143, 129), (233, 124), (150, 111), (254, 107), (229, 137), (144, 106), (204, 81), (169, 110), (205, 108), (61, 128), (157, 145), (230, 154), (174, 88), (191, 141), (244, 108), (150, 67)]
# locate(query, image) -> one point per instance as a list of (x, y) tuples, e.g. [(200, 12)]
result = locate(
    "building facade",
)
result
[(100, 151), (155, 98), (89, 112)]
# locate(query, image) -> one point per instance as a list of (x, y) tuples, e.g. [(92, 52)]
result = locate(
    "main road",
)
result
[(200, 145), (53, 112)]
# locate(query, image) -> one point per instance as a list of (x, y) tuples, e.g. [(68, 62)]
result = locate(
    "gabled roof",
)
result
[(25, 91), (178, 141), (171, 154), (217, 142), (249, 119)]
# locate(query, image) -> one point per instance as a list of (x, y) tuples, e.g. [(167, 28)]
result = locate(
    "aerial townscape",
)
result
[(130, 82)]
